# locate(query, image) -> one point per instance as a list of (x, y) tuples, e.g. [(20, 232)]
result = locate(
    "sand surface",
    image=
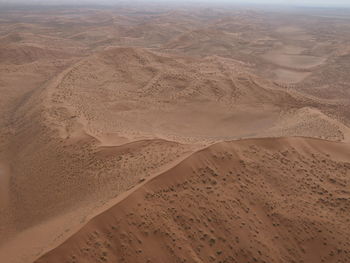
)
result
[(249, 200), (169, 134)]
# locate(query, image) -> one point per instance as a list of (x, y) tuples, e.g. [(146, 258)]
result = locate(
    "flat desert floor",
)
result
[(148, 133)]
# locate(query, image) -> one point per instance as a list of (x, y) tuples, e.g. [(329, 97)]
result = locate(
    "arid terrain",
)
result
[(148, 133)]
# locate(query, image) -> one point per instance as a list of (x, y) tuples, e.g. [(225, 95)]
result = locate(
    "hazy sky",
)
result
[(280, 2)]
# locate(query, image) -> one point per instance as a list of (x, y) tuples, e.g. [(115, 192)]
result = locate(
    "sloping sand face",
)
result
[(294, 61), (249, 200), (295, 55), (289, 76), (4, 186)]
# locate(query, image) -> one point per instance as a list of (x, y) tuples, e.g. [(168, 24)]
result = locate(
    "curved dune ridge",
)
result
[(133, 93), (256, 200)]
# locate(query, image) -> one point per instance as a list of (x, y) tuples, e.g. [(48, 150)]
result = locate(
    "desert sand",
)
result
[(257, 200), (174, 134)]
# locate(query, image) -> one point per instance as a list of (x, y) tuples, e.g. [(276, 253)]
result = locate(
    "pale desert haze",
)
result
[(157, 131)]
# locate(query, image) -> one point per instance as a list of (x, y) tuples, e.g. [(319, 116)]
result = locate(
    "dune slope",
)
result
[(128, 94), (257, 200)]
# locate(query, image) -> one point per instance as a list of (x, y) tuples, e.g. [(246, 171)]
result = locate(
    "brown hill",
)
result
[(262, 200)]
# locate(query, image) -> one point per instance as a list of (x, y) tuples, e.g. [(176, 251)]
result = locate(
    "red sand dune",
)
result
[(262, 200)]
